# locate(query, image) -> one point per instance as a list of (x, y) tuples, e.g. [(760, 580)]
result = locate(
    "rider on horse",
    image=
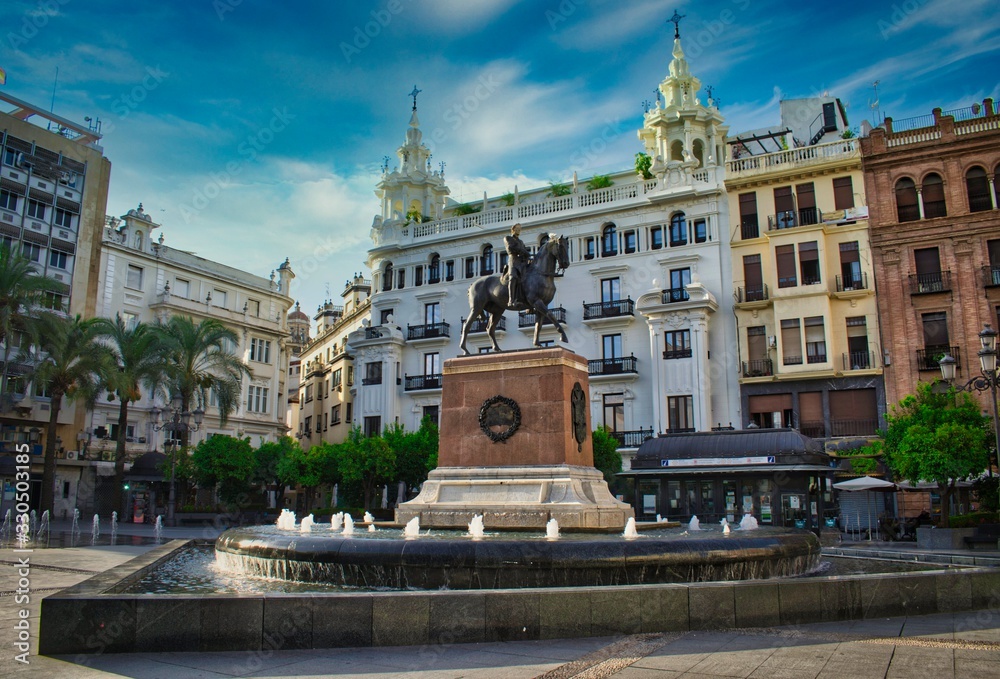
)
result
[(518, 257)]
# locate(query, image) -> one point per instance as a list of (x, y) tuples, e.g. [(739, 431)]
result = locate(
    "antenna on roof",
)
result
[(52, 106), (874, 105)]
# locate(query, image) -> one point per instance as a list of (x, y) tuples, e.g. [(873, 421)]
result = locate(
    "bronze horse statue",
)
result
[(489, 295)]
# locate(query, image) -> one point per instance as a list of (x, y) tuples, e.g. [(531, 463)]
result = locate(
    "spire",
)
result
[(676, 20), (414, 94)]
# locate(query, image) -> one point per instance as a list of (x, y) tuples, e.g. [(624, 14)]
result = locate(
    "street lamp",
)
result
[(989, 380), (178, 420)]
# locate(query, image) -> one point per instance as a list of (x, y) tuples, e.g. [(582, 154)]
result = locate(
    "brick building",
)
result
[(935, 236)]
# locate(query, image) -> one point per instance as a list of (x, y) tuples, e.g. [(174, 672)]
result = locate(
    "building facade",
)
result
[(646, 296), (935, 234), (806, 315)]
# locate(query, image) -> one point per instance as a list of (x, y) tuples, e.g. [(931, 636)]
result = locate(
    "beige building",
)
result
[(325, 407), (807, 320)]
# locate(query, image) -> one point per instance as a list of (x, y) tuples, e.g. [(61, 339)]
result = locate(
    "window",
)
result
[(935, 327), (31, 252), (656, 237), (433, 413), (220, 298), (611, 289), (907, 208), (257, 400), (486, 265), (373, 373), (678, 229), (470, 267), (503, 260), (756, 345), (679, 278), (8, 200), (43, 391), (612, 346), (253, 306), (308, 424), (434, 271), (977, 186), (260, 350), (182, 288), (589, 248), (418, 276), (805, 194), (850, 267), (401, 279), (677, 344), (336, 378), (307, 394), (373, 425), (432, 313), (449, 270), (784, 208), (858, 356), (9, 156), (749, 224), (680, 413), (131, 320), (630, 241), (700, 230), (36, 209), (335, 415), (843, 193), (432, 364), (614, 412), (753, 277), (815, 339), (784, 257), (65, 218), (54, 301), (133, 277), (385, 316), (57, 259), (791, 342), (927, 262), (809, 263), (933, 192), (609, 241), (387, 277)]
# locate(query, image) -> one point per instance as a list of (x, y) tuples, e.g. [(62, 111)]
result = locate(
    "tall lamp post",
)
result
[(989, 380), (177, 421)]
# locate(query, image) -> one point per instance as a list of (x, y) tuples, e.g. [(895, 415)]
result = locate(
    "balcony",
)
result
[(789, 219), (928, 358), (935, 208), (526, 319), (926, 283), (755, 294), (420, 382), (991, 276), (851, 283), (907, 213), (673, 295), (814, 430), (370, 381), (612, 309), (758, 367), (859, 427), (749, 228), (376, 332), (479, 325), (858, 360), (680, 430), (631, 439), (613, 366), (979, 202), (817, 357), (428, 331), (791, 360), (671, 354)]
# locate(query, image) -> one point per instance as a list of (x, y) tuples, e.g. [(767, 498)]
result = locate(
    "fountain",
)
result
[(552, 530), (286, 520), (476, 528), (630, 531), (748, 522), (337, 521), (726, 530), (368, 518), (114, 527), (348, 525), (694, 523), (95, 530), (5, 527), (158, 529), (307, 524), (412, 528), (33, 521), (43, 529), (75, 526), (371, 528)]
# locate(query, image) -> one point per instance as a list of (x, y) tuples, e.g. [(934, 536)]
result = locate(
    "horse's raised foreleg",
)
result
[(542, 311)]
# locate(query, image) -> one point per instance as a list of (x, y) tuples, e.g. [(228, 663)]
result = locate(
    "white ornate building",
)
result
[(647, 297)]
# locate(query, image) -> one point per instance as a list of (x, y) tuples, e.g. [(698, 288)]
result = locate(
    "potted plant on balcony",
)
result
[(599, 181), (642, 164), (507, 199), (556, 190), (466, 209)]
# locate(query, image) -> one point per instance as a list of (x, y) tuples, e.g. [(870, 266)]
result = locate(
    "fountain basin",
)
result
[(381, 562)]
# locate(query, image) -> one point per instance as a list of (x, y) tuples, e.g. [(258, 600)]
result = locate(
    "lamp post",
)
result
[(989, 380), (178, 420)]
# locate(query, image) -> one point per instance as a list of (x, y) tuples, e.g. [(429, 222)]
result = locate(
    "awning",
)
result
[(741, 469), (865, 483)]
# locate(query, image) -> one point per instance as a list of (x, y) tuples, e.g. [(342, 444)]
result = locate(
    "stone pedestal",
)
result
[(515, 447)]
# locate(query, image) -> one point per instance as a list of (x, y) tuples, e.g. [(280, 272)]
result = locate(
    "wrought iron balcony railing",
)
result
[(758, 367), (934, 281), (858, 360), (749, 227), (671, 295), (428, 331), (526, 319), (613, 366), (611, 309), (856, 282), (755, 294), (670, 354), (631, 439), (855, 427), (418, 382), (928, 358)]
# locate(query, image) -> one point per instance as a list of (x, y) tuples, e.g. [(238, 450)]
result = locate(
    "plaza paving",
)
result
[(941, 645)]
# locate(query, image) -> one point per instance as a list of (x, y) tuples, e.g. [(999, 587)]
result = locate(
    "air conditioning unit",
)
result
[(70, 454), (772, 342)]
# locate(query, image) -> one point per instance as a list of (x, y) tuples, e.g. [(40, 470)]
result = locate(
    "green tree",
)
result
[(936, 437), (308, 468), (606, 456), (139, 361), (202, 359), (269, 457), (368, 461), (66, 361), (227, 463)]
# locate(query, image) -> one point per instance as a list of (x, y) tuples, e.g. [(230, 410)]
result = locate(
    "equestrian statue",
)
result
[(526, 284)]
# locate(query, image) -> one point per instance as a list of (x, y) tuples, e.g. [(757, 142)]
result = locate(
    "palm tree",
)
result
[(22, 291), (67, 361), (201, 360), (139, 360)]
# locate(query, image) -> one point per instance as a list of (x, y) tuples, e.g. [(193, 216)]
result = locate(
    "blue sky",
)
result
[(253, 129)]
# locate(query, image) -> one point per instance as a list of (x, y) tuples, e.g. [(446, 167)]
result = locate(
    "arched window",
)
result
[(387, 277), (978, 187), (677, 150), (609, 241), (434, 273), (678, 229), (699, 152), (933, 190), (486, 261), (907, 209)]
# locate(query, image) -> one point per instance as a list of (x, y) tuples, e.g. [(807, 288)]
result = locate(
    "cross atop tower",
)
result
[(414, 94), (676, 20)]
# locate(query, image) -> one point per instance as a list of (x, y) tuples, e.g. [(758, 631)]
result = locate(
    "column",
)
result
[(920, 201), (702, 387), (656, 365), (991, 178)]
